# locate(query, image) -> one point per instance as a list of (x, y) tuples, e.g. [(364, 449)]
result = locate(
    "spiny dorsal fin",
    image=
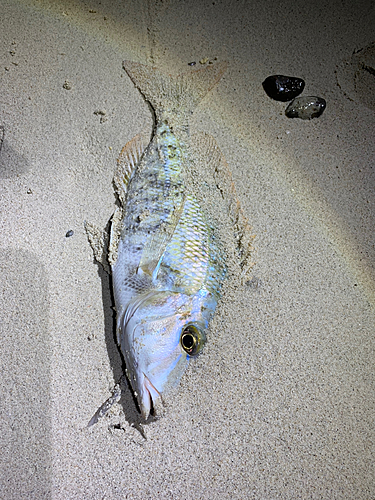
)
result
[(128, 160)]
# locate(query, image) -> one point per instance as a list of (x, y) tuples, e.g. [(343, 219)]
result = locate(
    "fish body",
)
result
[(163, 250), (167, 267)]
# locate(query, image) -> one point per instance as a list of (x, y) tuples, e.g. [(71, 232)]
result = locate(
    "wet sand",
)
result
[(281, 402)]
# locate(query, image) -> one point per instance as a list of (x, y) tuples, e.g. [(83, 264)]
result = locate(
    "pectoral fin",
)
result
[(157, 243)]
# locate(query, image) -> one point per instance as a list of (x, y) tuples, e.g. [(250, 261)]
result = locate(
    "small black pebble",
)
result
[(283, 88), (69, 233), (193, 63), (306, 107)]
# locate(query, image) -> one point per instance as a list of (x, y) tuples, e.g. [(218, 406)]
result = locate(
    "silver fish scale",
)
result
[(192, 256)]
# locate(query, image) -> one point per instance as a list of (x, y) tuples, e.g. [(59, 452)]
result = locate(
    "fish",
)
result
[(167, 262)]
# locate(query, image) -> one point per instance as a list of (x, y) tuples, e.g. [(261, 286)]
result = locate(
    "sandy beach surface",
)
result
[(280, 405)]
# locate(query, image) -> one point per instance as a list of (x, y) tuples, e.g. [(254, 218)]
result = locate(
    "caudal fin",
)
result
[(182, 92)]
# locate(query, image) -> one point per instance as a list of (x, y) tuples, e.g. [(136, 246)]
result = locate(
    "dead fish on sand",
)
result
[(165, 257)]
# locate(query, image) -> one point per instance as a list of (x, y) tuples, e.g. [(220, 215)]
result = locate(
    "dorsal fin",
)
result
[(128, 160), (216, 161)]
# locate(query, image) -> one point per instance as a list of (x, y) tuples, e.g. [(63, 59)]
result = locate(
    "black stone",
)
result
[(283, 88), (306, 107)]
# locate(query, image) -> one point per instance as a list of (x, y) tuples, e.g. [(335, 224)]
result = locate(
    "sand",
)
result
[(281, 402)]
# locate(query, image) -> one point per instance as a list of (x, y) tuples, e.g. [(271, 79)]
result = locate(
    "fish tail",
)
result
[(181, 93)]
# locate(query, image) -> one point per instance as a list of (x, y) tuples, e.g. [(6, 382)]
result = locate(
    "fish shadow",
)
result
[(127, 400)]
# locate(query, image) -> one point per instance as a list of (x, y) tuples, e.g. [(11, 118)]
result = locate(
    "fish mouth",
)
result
[(149, 396)]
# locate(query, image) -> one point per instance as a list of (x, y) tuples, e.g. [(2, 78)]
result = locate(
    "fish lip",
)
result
[(149, 396)]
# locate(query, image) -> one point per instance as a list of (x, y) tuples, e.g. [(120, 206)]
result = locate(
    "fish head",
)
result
[(160, 331)]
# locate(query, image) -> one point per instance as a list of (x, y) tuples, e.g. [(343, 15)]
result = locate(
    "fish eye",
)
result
[(192, 340)]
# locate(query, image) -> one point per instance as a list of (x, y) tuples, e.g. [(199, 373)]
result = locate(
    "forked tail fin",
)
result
[(179, 93)]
